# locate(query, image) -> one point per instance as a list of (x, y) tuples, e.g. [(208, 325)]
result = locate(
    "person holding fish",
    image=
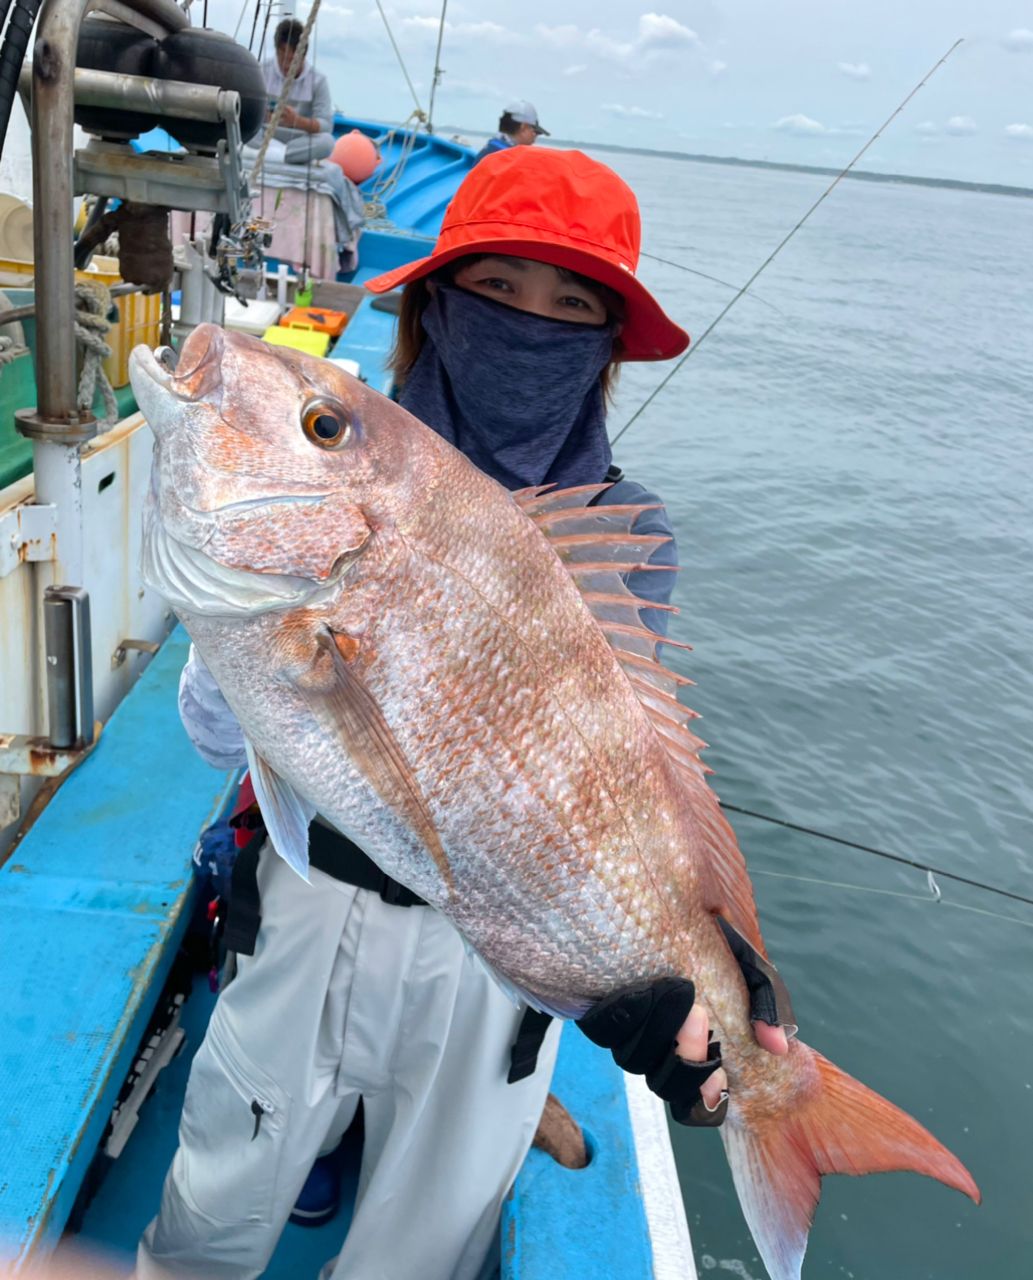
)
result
[(510, 335)]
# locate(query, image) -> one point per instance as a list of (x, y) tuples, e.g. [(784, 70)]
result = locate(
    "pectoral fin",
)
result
[(285, 814), (350, 712)]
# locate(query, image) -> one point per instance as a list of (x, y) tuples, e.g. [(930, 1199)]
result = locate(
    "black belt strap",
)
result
[(523, 1057), (342, 859), (244, 917), (328, 851)]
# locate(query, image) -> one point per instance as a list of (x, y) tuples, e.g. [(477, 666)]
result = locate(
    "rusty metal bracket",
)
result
[(141, 646), (34, 757), (21, 757), (24, 756), (27, 533)]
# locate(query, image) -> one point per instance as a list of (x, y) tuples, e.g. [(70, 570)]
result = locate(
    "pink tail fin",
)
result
[(837, 1125)]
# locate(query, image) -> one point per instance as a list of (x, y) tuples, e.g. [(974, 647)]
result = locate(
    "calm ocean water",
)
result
[(851, 479)]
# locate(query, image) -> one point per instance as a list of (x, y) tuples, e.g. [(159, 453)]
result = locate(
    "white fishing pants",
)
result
[(348, 997)]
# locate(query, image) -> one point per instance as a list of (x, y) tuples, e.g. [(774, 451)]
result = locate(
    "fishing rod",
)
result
[(782, 244), (436, 78), (880, 853)]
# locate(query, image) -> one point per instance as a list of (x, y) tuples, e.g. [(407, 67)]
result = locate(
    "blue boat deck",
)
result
[(93, 904), (424, 171)]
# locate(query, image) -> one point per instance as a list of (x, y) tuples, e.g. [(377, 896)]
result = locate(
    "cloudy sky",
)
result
[(805, 81)]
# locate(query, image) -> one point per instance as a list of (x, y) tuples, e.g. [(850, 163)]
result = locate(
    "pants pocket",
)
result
[(232, 1133)]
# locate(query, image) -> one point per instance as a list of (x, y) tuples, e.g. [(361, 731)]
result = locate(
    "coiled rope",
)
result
[(376, 203), (92, 305), (12, 336)]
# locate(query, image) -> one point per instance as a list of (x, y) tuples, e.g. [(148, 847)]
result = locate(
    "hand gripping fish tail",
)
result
[(458, 679), (830, 1124)]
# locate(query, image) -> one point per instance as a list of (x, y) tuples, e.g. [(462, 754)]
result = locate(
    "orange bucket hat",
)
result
[(558, 207)]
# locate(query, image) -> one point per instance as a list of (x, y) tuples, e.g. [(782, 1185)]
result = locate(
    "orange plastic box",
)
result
[(315, 318)]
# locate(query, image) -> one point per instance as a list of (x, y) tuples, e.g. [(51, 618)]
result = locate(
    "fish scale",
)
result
[(455, 677)]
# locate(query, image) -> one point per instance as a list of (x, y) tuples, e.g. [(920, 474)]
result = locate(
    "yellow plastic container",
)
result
[(16, 272), (139, 315), (306, 340)]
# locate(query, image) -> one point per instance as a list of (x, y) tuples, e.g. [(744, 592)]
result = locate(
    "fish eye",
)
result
[(326, 425)]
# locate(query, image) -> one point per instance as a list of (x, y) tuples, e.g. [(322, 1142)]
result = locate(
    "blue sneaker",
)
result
[(320, 1197)]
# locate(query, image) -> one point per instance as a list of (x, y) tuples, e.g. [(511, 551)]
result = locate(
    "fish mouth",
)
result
[(151, 366), (189, 376)]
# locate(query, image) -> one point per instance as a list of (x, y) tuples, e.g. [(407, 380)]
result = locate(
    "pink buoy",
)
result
[(356, 154)]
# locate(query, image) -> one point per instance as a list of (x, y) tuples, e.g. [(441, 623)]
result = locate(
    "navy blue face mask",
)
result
[(517, 393)]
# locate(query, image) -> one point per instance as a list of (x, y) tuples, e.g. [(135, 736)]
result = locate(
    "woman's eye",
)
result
[(495, 282), (577, 303), (326, 426)]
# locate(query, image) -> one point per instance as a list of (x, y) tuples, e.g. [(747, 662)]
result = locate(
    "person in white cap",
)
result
[(518, 127)]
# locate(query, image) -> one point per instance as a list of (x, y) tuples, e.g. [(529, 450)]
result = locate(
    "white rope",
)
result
[(92, 304), (12, 336), (375, 205), (401, 62), (10, 350)]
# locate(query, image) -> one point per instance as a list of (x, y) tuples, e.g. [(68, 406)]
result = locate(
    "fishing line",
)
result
[(781, 245), (889, 893), (254, 24), (714, 279), (879, 853), (401, 61), (243, 10)]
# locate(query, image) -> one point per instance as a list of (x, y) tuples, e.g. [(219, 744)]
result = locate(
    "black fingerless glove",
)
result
[(639, 1025)]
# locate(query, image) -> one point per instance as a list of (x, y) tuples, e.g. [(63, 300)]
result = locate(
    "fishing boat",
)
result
[(102, 798)]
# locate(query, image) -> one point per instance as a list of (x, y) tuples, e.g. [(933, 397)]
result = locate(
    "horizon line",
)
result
[(863, 175)]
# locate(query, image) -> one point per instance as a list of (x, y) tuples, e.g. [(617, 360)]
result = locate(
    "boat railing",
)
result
[(48, 513)]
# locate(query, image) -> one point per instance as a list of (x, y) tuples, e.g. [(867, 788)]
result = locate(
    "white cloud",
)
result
[(657, 34), (461, 32), (799, 124), (926, 128), (1020, 40), (961, 126), (1023, 132), (419, 23), (470, 89), (575, 70), (855, 70), (338, 10), (630, 113), (561, 37), (659, 30), (718, 68)]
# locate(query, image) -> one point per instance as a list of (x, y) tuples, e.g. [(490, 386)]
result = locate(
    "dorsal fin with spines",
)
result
[(598, 547)]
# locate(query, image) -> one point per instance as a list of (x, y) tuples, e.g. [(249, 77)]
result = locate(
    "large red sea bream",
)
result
[(457, 678)]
